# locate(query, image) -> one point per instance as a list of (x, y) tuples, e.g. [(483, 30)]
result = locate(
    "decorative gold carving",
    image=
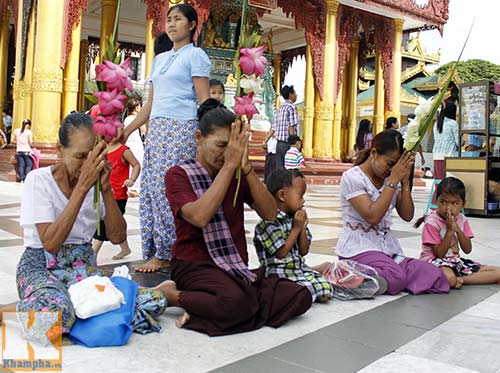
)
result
[(362, 85), (71, 85), (21, 90), (49, 81), (319, 152), (308, 112), (332, 6), (231, 80), (399, 23), (46, 134), (324, 112)]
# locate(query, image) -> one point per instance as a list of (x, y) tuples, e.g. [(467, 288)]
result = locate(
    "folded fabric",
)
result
[(112, 328), (95, 295)]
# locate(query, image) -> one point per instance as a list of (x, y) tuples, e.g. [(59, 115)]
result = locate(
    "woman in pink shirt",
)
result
[(22, 137)]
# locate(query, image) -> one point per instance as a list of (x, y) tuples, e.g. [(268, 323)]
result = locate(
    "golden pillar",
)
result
[(396, 72), (4, 48), (337, 123), (277, 77), (82, 73), (378, 103), (150, 46), (108, 13), (71, 73), (47, 74), (307, 135), (324, 111), (18, 88), (353, 94)]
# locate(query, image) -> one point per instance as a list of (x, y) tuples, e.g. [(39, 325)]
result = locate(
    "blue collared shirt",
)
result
[(172, 75)]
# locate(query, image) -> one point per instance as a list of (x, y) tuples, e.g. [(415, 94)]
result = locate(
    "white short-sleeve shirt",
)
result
[(43, 202), (357, 235)]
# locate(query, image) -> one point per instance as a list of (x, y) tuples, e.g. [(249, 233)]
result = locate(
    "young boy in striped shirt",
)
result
[(293, 157)]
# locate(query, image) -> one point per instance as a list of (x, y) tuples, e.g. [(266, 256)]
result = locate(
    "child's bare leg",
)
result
[(485, 275), (124, 251), (96, 246), (11, 307), (321, 268), (454, 281), (182, 320)]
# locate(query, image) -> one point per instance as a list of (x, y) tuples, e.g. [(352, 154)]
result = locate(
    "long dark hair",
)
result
[(364, 128), (384, 142), (448, 111), (26, 122), (190, 13), (212, 115)]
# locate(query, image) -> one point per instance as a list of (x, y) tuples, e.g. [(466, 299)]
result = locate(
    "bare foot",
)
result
[(169, 289), (122, 254), (152, 265), (460, 282), (322, 299), (182, 320)]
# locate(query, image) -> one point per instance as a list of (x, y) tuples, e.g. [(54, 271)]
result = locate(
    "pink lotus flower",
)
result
[(95, 111), (115, 76), (245, 106), (111, 102), (252, 60), (107, 127)]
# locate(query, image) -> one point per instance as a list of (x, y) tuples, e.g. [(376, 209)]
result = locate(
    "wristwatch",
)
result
[(390, 184)]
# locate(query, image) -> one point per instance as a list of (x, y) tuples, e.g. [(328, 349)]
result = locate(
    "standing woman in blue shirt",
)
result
[(179, 82)]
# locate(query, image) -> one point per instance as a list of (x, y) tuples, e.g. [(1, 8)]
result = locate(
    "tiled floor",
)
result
[(458, 332)]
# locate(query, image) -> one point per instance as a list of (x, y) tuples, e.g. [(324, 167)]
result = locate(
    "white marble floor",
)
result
[(466, 342)]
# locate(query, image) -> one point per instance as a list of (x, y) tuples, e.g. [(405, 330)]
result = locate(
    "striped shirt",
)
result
[(293, 158), (285, 117)]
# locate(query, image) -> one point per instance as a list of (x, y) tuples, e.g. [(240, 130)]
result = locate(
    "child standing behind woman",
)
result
[(446, 232), (120, 158), (378, 183), (217, 90), (281, 245)]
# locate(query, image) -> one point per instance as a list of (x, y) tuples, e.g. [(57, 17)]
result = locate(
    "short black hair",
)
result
[(286, 91), (293, 139), (391, 121), (212, 114), (453, 186), (216, 83), (72, 122), (411, 116), (162, 43), (281, 179)]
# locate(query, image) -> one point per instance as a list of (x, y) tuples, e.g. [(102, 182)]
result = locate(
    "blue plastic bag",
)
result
[(112, 328)]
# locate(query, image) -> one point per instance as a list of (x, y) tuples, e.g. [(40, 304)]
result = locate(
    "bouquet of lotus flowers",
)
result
[(249, 64), (113, 89)]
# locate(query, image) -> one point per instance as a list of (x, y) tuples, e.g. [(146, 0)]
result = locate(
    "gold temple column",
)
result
[(378, 103), (18, 88), (307, 135), (108, 13), (353, 94), (4, 48), (396, 72), (47, 74), (150, 46), (277, 77), (337, 123), (71, 74), (323, 111), (82, 73)]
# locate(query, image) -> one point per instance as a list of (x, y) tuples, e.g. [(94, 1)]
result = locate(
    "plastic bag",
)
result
[(95, 295), (352, 280)]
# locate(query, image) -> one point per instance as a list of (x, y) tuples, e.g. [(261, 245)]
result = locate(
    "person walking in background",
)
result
[(179, 80), (392, 122), (7, 123), (286, 120), (22, 137), (293, 157), (445, 138)]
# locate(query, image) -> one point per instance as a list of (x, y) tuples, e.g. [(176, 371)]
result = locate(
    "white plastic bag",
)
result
[(95, 295), (352, 280), (121, 271)]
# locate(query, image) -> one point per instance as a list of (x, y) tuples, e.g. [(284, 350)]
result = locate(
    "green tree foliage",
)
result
[(474, 70)]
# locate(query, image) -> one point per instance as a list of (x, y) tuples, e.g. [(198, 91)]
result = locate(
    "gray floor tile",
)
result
[(264, 364), (326, 353)]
